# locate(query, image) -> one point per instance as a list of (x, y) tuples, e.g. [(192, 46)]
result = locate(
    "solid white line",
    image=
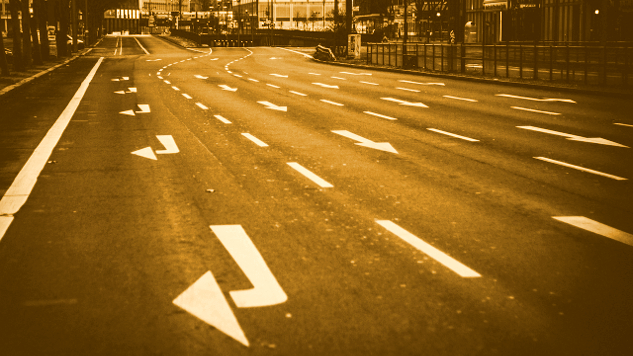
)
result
[(597, 228), (426, 248), (311, 176), (458, 98), (331, 102), (380, 115), (580, 168), (621, 124), (273, 86), (407, 89), (21, 188), (370, 83), (297, 93), (202, 106), (453, 135), (140, 45), (536, 111), (221, 118), (187, 96), (303, 54), (257, 141)]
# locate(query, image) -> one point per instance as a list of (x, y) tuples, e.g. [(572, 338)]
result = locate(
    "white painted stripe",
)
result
[(167, 82), (410, 82), (536, 111), (187, 96), (426, 248), (314, 73), (297, 93), (453, 135), (237, 75), (380, 115), (458, 98), (407, 89), (339, 78), (331, 102), (169, 143), (257, 141), (370, 83), (175, 88), (19, 191), (221, 118), (253, 80), (536, 99), (159, 77), (311, 176), (202, 106), (140, 45), (273, 86), (621, 124), (580, 168), (597, 228)]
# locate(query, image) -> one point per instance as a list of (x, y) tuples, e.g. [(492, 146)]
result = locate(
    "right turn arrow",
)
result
[(383, 146)]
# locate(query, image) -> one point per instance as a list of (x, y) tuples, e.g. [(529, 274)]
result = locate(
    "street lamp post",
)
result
[(439, 16)]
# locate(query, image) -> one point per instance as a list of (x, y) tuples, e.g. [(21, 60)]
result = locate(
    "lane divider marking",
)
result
[(257, 141), (311, 176), (331, 102), (453, 135), (187, 96), (458, 98), (535, 111), (297, 93), (380, 115), (597, 228), (369, 83), (407, 89), (221, 118), (202, 106), (580, 168)]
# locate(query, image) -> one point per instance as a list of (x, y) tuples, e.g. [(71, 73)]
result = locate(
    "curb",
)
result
[(481, 80)]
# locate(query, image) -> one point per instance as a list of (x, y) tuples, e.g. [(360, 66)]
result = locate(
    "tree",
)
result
[(41, 14), (4, 67), (37, 53), (18, 63), (26, 34)]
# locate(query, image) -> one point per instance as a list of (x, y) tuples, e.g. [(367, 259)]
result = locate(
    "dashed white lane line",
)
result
[(175, 88), (202, 106), (380, 115), (257, 141), (279, 75), (407, 89), (621, 124), (221, 118), (426, 248), (331, 102), (458, 98), (297, 93), (311, 176), (453, 135), (536, 111), (597, 228), (418, 83), (339, 78), (187, 96), (314, 73), (568, 165), (273, 86), (237, 75), (167, 82), (253, 80), (536, 99), (368, 83)]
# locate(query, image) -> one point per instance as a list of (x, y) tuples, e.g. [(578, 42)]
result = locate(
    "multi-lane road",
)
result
[(227, 201)]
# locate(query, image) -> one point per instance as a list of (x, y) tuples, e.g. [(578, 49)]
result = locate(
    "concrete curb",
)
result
[(482, 80)]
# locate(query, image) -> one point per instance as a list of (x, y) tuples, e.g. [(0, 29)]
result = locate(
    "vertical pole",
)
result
[(441, 57), (507, 59), (535, 74), (74, 20), (495, 60), (567, 60), (586, 63), (521, 61), (433, 56), (551, 62), (425, 45)]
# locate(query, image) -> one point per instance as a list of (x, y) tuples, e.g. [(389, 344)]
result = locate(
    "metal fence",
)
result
[(589, 64)]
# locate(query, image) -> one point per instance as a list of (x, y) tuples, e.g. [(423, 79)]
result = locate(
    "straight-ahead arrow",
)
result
[(598, 140), (405, 103), (383, 146), (326, 85), (228, 88), (272, 106)]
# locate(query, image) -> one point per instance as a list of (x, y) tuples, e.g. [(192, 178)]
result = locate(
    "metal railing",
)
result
[(589, 64)]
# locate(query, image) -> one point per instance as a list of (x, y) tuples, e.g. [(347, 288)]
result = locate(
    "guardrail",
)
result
[(606, 65)]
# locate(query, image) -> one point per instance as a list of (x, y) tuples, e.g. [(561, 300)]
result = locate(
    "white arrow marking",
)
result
[(405, 103), (571, 137), (200, 77), (355, 73), (383, 146), (433, 252), (273, 106), (326, 85), (132, 90), (119, 92), (120, 79), (144, 109), (266, 290), (536, 99), (279, 75), (583, 169), (169, 143), (145, 152), (410, 82), (228, 88), (597, 228), (128, 112), (204, 299)]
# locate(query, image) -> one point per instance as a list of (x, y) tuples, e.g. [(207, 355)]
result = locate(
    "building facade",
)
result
[(307, 15)]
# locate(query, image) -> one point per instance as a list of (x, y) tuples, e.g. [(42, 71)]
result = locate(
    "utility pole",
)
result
[(74, 20)]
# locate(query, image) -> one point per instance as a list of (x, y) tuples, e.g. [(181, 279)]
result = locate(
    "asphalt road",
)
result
[(238, 201)]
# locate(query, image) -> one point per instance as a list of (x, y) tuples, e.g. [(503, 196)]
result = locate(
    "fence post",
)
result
[(442, 57), (535, 61), (507, 59), (463, 59), (494, 73), (433, 56), (551, 62), (567, 60), (606, 63), (520, 61)]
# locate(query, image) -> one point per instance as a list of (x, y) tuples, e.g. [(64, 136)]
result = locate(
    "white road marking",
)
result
[(167, 82), (369, 83), (253, 80), (132, 90), (159, 77), (228, 88), (187, 96), (140, 45), (272, 106), (237, 75), (273, 86), (326, 85), (266, 290), (597, 140), (418, 83), (597, 228), (536, 99), (407, 89), (169, 143), (297, 93), (621, 124), (311, 176), (428, 249), (153, 60), (536, 111), (127, 112), (144, 109), (146, 153), (221, 118), (204, 299), (355, 73), (314, 73), (200, 76), (453, 135), (405, 103), (339, 78), (202, 106), (214, 59), (458, 98), (382, 146), (580, 168), (19, 191), (175, 88), (380, 115), (279, 75), (331, 102), (257, 141)]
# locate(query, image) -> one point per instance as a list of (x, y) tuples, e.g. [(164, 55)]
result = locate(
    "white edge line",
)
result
[(143, 48), (257, 141), (303, 54), (380, 115), (428, 249), (311, 176), (621, 124), (580, 168), (453, 135)]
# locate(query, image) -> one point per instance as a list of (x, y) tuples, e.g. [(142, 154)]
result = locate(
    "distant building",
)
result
[(307, 15)]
